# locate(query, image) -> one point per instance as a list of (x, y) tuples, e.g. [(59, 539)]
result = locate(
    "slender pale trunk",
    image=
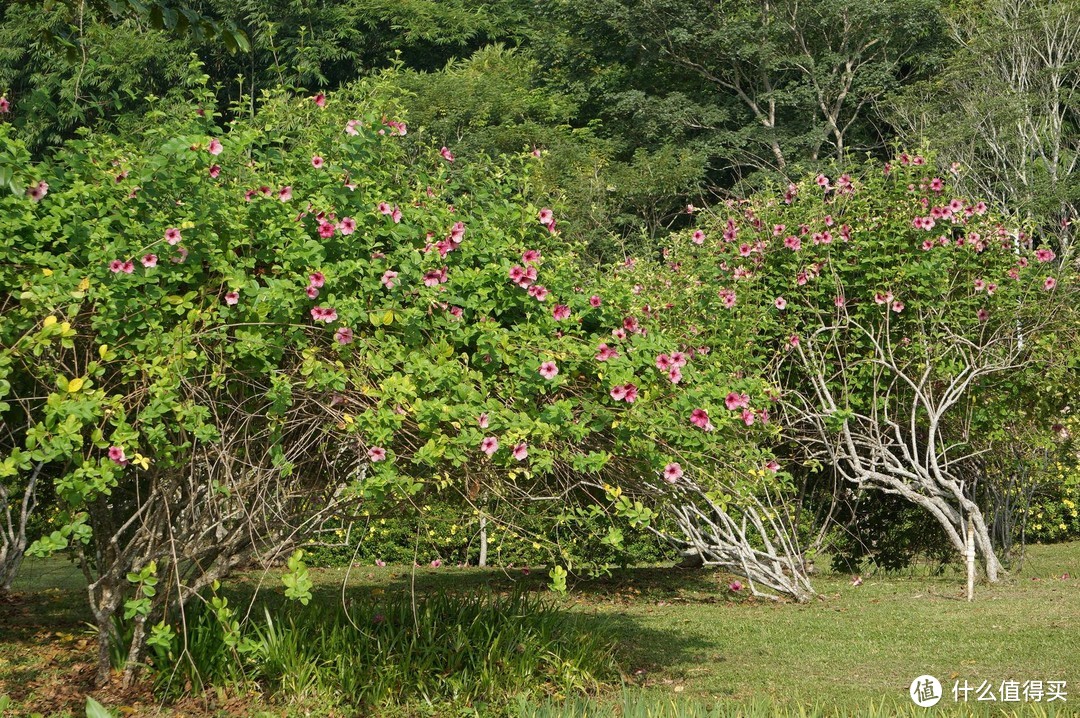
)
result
[(483, 540)]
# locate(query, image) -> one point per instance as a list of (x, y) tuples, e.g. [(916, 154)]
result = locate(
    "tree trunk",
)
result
[(483, 540)]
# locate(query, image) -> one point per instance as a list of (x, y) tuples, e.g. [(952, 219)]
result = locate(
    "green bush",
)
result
[(450, 532)]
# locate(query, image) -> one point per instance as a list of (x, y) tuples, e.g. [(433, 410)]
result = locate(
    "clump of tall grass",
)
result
[(440, 648)]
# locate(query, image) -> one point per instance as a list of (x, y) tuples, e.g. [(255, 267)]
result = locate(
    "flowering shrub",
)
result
[(217, 338), (902, 326)]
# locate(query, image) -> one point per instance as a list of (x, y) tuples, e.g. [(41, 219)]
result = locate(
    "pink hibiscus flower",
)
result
[(530, 256), (482, 420), (388, 278), (215, 170), (1049, 283), (1044, 255), (343, 336), (312, 292), (548, 370), (215, 147), (780, 303), (446, 154), (700, 419), (672, 473), (377, 453), (319, 100), (546, 217), (604, 352), (594, 301), (521, 451), (735, 401), (317, 162), (317, 279), (149, 261), (698, 237), (116, 454), (560, 312), (172, 235), (489, 445), (231, 298)]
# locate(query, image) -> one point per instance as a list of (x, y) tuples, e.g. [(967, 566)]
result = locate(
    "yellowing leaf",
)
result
[(49, 321), (103, 350), (141, 461), (47, 272), (84, 284), (388, 317), (74, 385)]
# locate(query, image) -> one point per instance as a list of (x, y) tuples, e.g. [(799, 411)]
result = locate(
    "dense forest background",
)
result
[(644, 107)]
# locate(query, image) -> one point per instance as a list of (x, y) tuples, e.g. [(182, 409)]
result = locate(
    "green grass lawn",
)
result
[(682, 633)]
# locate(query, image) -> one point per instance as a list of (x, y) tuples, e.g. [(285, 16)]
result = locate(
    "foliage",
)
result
[(396, 648), (434, 528)]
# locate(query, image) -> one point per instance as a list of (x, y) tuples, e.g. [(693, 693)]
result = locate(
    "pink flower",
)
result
[(672, 473), (839, 301), (343, 336), (319, 100), (436, 563), (5, 105), (385, 208), (663, 362), (215, 147), (1049, 283), (735, 586), (980, 285), (521, 451), (630, 395), (937, 184), (748, 417), (530, 256), (312, 292), (116, 453), (618, 392), (182, 254), (317, 162), (982, 315), (700, 419), (674, 375), (883, 297), (377, 453), (172, 235), (618, 333), (116, 266), (793, 243), (897, 306), (149, 261), (128, 267), (604, 352), (772, 466), (317, 279), (698, 237), (215, 170), (735, 401), (324, 314), (822, 181), (546, 217), (560, 312), (326, 229), (347, 225), (489, 445), (538, 291), (388, 278), (594, 301), (1044, 255), (678, 359), (780, 303), (350, 127), (446, 154), (231, 298), (38, 191), (548, 370), (380, 563), (482, 420)]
